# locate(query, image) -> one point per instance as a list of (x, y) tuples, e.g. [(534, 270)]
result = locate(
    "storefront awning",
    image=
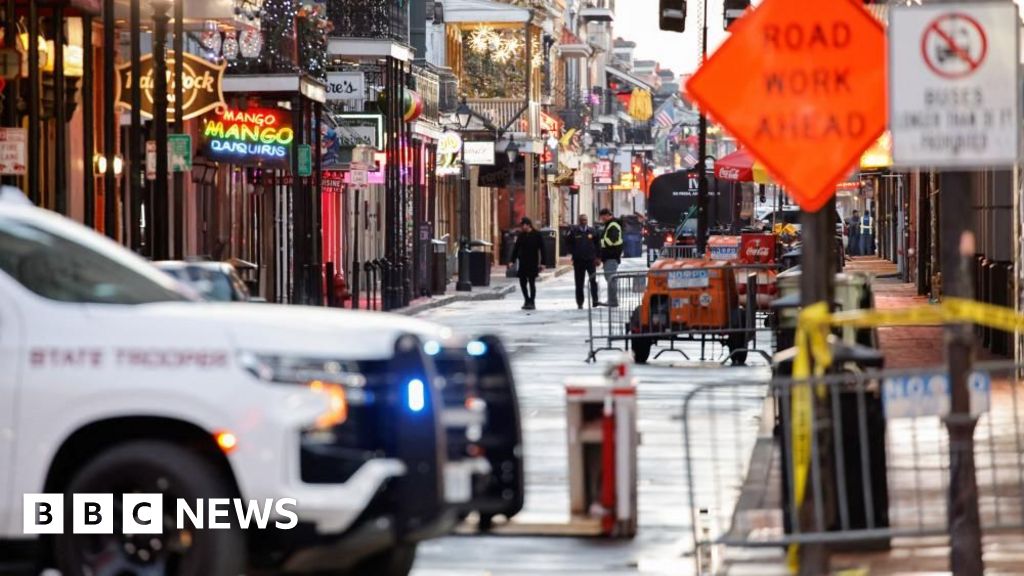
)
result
[(629, 78), (471, 11)]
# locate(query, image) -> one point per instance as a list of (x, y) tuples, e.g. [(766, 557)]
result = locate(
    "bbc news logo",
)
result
[(144, 514)]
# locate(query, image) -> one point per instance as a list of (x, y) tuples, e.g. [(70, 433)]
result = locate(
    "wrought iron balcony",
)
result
[(376, 19)]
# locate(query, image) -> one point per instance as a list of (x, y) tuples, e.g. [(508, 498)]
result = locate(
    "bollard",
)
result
[(603, 441)]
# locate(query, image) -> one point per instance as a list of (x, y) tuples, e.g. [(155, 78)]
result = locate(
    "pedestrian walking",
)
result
[(528, 253), (854, 247), (611, 253), (584, 247)]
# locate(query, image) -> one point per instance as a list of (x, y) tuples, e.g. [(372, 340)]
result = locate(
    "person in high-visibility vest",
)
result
[(611, 253), (867, 234)]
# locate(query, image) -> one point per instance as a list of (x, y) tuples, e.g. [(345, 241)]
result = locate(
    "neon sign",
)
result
[(253, 136)]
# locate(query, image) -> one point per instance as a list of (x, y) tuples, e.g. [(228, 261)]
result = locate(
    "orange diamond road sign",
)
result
[(802, 85)]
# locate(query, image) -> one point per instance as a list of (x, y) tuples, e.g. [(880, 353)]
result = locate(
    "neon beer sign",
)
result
[(253, 136)]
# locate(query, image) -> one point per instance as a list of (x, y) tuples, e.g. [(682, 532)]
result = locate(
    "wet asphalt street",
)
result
[(548, 346)]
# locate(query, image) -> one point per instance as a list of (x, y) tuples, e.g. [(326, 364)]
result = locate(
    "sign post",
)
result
[(810, 100), (955, 104)]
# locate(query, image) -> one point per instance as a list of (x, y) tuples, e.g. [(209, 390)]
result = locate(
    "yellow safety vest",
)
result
[(608, 243)]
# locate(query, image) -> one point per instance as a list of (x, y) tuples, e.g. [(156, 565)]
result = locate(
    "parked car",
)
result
[(214, 281)]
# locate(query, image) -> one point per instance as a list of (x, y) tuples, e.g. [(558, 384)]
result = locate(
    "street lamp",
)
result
[(512, 151), (464, 114)]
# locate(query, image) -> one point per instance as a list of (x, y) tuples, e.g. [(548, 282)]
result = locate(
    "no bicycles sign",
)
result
[(953, 91)]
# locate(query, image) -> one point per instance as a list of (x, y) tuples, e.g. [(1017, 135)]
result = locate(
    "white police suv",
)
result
[(378, 430)]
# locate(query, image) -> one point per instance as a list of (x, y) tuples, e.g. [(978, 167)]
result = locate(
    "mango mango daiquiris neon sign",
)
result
[(251, 136)]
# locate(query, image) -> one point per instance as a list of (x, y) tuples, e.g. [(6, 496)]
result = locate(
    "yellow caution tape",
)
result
[(812, 332)]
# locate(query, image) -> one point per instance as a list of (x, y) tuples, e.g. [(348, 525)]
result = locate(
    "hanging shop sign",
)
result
[(202, 83), (360, 130), (448, 149), (332, 181), (255, 136), (479, 153), (603, 172), (343, 86), (13, 151)]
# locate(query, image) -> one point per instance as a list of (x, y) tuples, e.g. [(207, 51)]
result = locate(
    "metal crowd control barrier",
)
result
[(671, 252), (721, 310), (878, 466)]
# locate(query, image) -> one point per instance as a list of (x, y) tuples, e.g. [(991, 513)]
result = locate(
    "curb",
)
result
[(492, 294)]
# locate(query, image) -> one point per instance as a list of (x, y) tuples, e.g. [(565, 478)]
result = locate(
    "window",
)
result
[(54, 267)]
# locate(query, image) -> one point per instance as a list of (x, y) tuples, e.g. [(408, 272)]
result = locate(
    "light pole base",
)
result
[(464, 284)]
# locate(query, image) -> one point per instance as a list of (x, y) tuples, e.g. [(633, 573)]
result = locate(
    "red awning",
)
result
[(737, 166)]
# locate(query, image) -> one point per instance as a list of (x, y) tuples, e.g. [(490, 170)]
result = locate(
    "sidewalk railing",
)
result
[(722, 310), (876, 458)]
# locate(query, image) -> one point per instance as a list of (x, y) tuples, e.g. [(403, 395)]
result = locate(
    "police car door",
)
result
[(11, 366)]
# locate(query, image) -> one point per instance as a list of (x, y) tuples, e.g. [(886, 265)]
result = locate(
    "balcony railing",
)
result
[(502, 111), (378, 19)]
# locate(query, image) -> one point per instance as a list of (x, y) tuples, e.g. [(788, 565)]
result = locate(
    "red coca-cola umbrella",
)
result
[(740, 166), (737, 166)]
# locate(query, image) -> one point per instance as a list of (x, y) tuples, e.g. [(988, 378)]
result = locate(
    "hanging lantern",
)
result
[(250, 43), (412, 105), (210, 38), (230, 47)]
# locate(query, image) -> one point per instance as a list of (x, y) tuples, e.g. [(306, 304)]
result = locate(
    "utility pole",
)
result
[(957, 251), (955, 198), (702, 145)]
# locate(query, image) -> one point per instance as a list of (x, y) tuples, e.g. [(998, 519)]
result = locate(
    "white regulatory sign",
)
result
[(928, 395), (953, 85)]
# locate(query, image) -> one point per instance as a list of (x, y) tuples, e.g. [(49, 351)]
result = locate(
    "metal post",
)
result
[(815, 286), (464, 285), (957, 251), (355, 250), (135, 157), (109, 121), (60, 136), (88, 124), (702, 146), (161, 208), (34, 191), (179, 125)]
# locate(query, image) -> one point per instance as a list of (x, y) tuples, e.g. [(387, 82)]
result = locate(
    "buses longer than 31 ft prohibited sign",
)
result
[(953, 92)]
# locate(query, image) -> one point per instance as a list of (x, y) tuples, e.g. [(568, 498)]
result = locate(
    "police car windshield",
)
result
[(55, 267)]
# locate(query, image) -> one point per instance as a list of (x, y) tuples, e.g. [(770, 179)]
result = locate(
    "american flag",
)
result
[(665, 117)]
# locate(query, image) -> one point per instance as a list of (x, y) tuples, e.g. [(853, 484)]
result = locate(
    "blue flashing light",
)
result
[(431, 347), (476, 348), (416, 395)]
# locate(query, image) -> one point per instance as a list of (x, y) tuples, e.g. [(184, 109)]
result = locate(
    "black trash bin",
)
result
[(549, 237), (480, 260), (439, 266), (508, 242), (849, 401), (563, 246)]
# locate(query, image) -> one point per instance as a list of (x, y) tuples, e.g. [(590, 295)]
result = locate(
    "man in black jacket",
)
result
[(528, 253), (611, 253), (583, 245)]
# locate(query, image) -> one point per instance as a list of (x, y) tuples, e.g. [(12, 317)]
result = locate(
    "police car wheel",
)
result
[(395, 561), (151, 467)]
